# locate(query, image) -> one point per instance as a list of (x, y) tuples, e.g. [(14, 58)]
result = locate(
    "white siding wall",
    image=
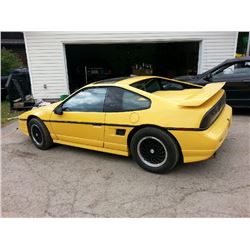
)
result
[(47, 60)]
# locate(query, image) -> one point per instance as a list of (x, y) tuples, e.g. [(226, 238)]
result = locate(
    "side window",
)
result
[(242, 69), (88, 100), (237, 69), (121, 100), (132, 101)]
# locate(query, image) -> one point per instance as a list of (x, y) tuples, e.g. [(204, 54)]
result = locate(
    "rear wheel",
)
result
[(39, 134), (154, 150)]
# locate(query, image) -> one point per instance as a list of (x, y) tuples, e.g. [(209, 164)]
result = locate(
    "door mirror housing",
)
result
[(208, 77), (58, 110)]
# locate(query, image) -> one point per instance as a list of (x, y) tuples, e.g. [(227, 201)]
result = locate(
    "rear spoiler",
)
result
[(203, 95)]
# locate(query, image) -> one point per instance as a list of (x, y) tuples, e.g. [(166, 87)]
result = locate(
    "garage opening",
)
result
[(92, 62)]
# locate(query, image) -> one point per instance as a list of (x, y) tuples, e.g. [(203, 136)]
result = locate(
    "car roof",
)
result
[(126, 81), (112, 80), (239, 59), (228, 61), (121, 80)]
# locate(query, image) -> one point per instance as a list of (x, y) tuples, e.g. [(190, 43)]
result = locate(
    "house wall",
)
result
[(47, 59)]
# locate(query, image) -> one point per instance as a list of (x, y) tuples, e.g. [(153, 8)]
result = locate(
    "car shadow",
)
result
[(92, 153), (181, 168)]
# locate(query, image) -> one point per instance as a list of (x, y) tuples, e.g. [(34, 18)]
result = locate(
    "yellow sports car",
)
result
[(158, 121)]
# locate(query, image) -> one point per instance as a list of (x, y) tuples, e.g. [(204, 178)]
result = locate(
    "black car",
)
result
[(235, 72), (19, 89), (3, 88)]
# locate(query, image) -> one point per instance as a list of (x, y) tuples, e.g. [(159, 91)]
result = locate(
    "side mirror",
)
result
[(208, 77), (58, 110)]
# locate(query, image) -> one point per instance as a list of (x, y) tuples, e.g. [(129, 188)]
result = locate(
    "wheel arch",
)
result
[(137, 128), (31, 117), (36, 117), (47, 141)]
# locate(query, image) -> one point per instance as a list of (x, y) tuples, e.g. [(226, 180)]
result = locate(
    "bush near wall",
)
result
[(9, 62)]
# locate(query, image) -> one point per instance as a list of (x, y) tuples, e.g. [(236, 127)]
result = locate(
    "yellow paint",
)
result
[(79, 133), (106, 150), (201, 145), (169, 109)]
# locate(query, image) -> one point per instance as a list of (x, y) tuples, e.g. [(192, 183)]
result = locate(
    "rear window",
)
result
[(148, 85), (157, 84)]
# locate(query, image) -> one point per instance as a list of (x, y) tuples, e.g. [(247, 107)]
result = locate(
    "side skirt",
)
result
[(105, 150)]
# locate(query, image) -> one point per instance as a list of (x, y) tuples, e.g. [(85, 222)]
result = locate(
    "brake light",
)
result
[(210, 117)]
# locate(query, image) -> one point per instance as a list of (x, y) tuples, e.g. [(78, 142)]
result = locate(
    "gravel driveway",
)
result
[(72, 182)]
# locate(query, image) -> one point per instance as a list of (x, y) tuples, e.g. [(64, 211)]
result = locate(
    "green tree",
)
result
[(9, 61)]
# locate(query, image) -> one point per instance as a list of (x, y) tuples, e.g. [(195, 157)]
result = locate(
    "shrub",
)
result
[(9, 61)]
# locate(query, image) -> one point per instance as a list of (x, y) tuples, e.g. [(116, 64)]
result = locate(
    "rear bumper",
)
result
[(201, 145)]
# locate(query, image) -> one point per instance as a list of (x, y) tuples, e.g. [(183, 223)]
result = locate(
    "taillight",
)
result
[(209, 118)]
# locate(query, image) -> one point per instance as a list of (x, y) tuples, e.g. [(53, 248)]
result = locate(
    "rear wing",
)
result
[(203, 95)]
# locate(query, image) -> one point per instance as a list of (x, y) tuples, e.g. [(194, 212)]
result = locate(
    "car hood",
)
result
[(41, 112)]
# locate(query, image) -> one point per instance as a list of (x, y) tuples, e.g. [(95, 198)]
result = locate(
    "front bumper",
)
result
[(23, 126), (201, 145)]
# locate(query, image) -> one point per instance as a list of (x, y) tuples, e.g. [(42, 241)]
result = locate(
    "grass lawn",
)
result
[(5, 113)]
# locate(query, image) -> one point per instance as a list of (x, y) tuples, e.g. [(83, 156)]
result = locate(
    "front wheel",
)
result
[(39, 134), (154, 150)]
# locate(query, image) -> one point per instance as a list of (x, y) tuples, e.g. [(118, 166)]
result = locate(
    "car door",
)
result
[(237, 78), (124, 110), (82, 118)]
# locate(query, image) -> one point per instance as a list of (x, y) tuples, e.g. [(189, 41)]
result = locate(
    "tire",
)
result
[(39, 134), (154, 150)]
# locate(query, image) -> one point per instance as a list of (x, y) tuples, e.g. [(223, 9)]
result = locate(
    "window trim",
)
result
[(122, 111)]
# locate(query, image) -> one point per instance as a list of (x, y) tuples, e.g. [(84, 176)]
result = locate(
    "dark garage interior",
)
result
[(92, 62)]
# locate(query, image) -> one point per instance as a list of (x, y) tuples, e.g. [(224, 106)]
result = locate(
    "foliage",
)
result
[(242, 42), (6, 113), (9, 61)]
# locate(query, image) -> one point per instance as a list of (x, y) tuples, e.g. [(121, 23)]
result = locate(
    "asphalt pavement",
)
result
[(71, 182)]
